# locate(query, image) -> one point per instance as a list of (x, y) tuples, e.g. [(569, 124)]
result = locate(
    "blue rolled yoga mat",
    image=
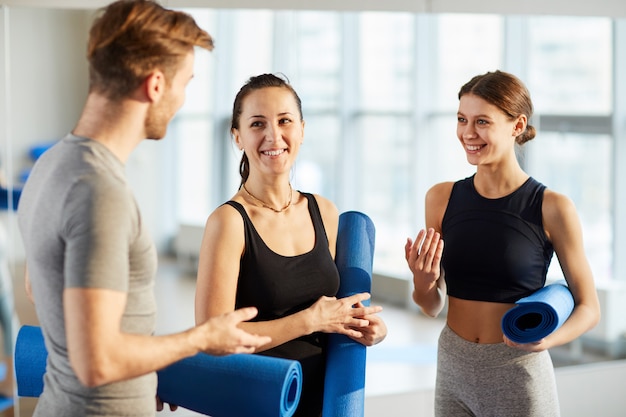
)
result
[(30, 361), (228, 386), (233, 386), (539, 314), (344, 389)]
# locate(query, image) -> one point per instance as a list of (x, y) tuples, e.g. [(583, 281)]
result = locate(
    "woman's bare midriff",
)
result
[(477, 321)]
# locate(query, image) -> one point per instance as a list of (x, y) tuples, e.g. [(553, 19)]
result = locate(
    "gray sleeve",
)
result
[(98, 228)]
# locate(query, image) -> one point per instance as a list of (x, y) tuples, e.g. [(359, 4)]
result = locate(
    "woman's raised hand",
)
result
[(424, 257)]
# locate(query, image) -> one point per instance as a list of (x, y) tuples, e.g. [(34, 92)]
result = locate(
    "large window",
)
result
[(379, 93), (570, 78)]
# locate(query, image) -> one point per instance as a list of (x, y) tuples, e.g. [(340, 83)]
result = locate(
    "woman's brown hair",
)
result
[(508, 93)]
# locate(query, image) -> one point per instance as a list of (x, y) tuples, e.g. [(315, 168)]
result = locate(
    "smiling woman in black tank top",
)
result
[(500, 228), (273, 247)]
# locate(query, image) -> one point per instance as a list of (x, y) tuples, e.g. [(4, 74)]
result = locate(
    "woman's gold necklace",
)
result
[(268, 206)]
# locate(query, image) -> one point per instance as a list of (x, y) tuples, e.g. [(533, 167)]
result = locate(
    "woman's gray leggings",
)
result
[(492, 380)]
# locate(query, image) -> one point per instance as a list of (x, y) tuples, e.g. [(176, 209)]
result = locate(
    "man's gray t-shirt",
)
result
[(82, 228)]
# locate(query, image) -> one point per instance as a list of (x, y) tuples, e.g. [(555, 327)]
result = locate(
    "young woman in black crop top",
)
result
[(273, 247), (500, 229)]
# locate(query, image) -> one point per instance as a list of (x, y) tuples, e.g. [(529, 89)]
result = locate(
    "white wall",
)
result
[(43, 85), (48, 83)]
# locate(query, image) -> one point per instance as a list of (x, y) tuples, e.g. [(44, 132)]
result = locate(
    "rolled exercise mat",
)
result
[(344, 386), (233, 386), (539, 314), (30, 361), (228, 386)]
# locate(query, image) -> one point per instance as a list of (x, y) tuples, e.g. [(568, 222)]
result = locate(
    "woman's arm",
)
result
[(564, 231), (424, 254)]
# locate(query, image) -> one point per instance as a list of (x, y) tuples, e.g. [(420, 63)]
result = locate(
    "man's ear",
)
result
[(154, 85)]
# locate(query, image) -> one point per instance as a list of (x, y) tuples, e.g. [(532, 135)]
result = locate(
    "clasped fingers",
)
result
[(332, 315), (362, 311)]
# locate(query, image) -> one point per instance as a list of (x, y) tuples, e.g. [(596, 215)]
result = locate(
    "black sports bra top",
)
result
[(495, 249), (281, 285)]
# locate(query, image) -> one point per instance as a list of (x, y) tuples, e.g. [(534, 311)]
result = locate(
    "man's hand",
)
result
[(223, 337)]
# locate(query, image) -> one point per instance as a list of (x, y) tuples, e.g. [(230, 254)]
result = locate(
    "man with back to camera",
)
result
[(90, 261)]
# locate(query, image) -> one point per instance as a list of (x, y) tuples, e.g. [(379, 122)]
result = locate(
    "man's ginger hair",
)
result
[(132, 38)]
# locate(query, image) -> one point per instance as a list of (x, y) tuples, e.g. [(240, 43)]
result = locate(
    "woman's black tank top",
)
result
[(279, 286), (495, 249)]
